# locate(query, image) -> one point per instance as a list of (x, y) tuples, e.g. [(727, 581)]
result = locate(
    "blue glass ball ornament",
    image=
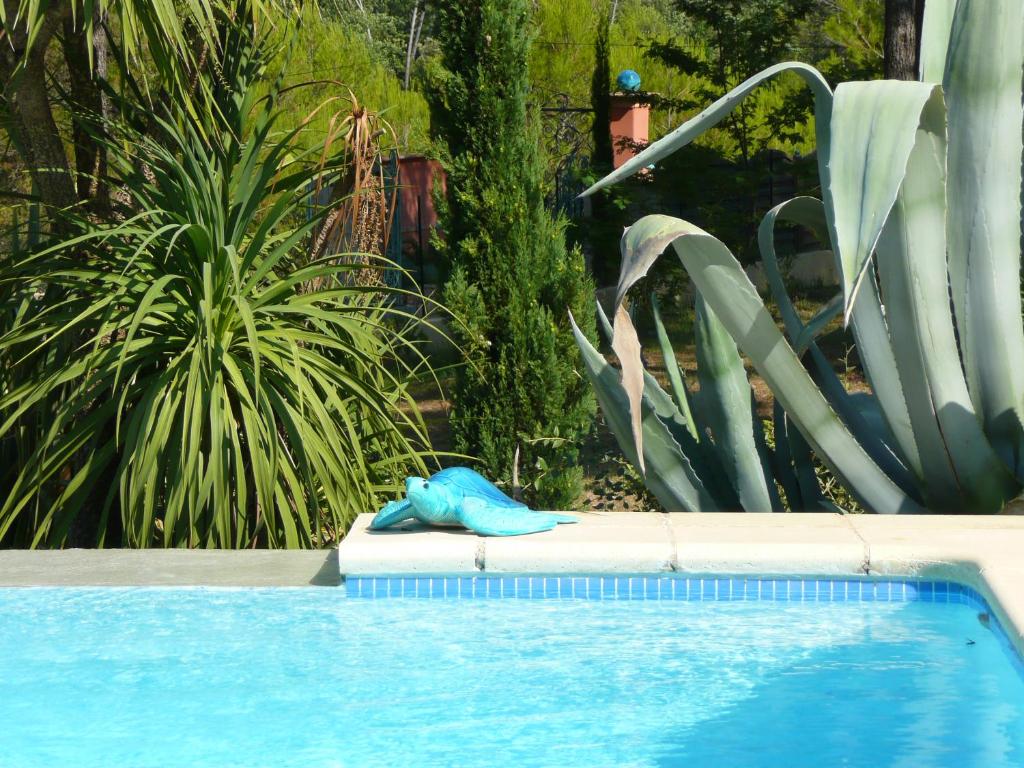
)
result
[(628, 80)]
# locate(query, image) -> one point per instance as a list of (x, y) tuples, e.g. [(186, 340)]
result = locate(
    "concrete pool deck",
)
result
[(168, 568), (986, 553)]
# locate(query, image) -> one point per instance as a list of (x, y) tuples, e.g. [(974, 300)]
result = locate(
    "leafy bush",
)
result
[(192, 372)]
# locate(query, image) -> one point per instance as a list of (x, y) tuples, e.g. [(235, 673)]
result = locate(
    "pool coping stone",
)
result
[(169, 567)]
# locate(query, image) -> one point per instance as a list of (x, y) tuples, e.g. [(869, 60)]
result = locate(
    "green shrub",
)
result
[(512, 278)]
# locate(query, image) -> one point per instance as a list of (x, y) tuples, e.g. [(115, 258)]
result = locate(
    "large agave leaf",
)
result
[(717, 112), (878, 360), (672, 478), (725, 403), (675, 374), (626, 346), (724, 285), (811, 497), (782, 461), (808, 212), (704, 457), (938, 23), (767, 457), (818, 323), (983, 94), (961, 470), (874, 125)]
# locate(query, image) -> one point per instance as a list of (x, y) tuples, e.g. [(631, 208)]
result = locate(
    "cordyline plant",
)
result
[(192, 375), (922, 206)]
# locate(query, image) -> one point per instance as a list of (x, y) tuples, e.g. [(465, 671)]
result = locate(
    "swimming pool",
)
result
[(660, 672)]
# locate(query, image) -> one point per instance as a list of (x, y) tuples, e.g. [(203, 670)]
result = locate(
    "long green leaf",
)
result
[(935, 31), (782, 460), (725, 402), (707, 460), (878, 359), (874, 125), (675, 374), (961, 469), (671, 478), (717, 112)]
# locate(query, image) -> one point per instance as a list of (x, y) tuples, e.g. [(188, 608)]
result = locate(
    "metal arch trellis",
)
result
[(567, 134), (393, 247)]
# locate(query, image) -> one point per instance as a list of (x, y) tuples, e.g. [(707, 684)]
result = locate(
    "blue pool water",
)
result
[(306, 677)]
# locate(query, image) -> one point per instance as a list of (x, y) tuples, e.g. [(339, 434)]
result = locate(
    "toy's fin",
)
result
[(392, 512), (473, 484), (491, 520), (560, 518)]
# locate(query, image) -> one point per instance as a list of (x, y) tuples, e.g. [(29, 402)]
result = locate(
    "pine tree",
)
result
[(512, 280)]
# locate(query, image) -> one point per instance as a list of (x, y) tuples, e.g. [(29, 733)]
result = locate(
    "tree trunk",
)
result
[(90, 156), (415, 27), (902, 33), (31, 119)]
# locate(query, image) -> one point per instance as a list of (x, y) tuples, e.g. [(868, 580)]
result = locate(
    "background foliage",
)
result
[(336, 50)]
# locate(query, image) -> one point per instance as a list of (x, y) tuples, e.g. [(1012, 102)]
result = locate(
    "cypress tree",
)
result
[(512, 280), (605, 220), (600, 99)]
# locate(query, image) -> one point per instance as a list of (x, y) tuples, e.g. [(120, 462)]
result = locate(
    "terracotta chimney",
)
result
[(629, 117)]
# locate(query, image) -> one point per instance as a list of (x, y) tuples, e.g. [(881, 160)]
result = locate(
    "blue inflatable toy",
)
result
[(459, 496)]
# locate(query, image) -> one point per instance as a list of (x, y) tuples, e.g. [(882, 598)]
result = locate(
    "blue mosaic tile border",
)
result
[(680, 588), (663, 587)]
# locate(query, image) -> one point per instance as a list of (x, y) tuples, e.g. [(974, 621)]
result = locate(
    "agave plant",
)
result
[(707, 450), (175, 379), (921, 205)]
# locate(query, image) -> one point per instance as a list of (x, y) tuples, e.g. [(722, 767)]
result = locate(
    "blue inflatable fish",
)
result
[(460, 496)]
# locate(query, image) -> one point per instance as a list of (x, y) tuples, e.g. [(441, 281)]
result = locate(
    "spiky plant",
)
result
[(360, 223), (707, 450), (177, 382), (921, 204)]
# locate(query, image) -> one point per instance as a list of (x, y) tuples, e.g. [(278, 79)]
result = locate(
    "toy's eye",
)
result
[(426, 484)]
